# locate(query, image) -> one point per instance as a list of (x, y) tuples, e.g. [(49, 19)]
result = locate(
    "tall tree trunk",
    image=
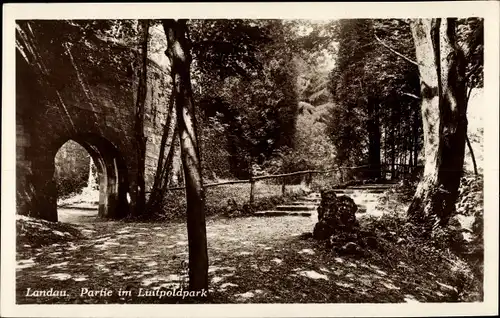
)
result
[(163, 164), (474, 164), (415, 137), (443, 108), (139, 118), (393, 143), (386, 159), (373, 128), (179, 54), (469, 145), (410, 149)]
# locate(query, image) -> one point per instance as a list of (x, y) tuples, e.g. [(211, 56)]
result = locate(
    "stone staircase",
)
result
[(305, 206), (365, 196)]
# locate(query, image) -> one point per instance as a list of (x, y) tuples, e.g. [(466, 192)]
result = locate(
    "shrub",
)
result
[(68, 185)]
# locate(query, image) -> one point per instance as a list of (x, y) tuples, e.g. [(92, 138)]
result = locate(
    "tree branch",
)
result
[(468, 96), (411, 95), (394, 51)]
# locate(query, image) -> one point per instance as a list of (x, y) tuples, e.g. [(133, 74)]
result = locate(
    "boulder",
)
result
[(346, 213), (335, 215), (328, 205), (322, 231)]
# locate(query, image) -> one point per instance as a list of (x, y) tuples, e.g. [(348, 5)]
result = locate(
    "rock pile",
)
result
[(338, 227), (335, 214)]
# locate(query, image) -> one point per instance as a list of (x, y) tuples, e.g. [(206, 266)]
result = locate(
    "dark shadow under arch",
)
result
[(112, 172)]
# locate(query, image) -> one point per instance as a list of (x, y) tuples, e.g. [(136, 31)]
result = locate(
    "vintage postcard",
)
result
[(250, 159)]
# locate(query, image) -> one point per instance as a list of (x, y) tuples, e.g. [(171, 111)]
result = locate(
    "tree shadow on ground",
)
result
[(252, 260)]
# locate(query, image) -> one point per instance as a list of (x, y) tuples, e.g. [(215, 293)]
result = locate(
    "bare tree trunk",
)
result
[(180, 57), (167, 138), (393, 145), (373, 128), (415, 138), (139, 118), (386, 159), (472, 155), (468, 141), (443, 110)]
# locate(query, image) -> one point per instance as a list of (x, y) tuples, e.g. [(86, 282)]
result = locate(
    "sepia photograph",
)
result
[(250, 160)]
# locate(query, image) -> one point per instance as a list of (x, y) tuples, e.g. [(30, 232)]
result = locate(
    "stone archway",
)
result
[(112, 174), (63, 94)]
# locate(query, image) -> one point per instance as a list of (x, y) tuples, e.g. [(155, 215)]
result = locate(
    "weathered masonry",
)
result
[(86, 92)]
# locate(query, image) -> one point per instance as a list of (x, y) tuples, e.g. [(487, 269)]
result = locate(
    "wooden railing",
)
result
[(400, 168), (254, 179)]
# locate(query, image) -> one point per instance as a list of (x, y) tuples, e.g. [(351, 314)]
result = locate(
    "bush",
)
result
[(68, 185)]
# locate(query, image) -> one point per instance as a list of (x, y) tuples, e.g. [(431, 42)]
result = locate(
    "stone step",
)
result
[(369, 197), (377, 187), (296, 207), (363, 202), (310, 199), (356, 192), (282, 213), (374, 185), (304, 203), (364, 195)]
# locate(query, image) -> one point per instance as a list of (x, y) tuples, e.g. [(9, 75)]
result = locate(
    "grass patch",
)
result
[(231, 200)]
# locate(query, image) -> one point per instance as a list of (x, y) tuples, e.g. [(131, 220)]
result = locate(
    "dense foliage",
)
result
[(246, 90), (375, 94)]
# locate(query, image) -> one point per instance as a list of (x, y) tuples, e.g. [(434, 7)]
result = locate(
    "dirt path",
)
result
[(76, 215), (253, 259)]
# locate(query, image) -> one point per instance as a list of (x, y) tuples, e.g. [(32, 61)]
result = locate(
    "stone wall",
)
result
[(23, 163), (72, 160), (86, 92), (155, 118), (80, 92)]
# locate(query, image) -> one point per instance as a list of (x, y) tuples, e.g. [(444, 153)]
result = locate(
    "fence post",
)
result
[(252, 189), (283, 189)]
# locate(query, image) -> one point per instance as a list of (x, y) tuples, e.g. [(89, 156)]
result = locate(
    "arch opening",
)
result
[(91, 181)]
